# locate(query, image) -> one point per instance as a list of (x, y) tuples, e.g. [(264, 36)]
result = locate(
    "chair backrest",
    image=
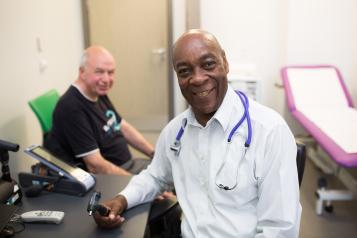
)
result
[(300, 160), (43, 107)]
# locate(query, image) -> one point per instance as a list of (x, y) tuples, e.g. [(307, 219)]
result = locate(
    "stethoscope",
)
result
[(176, 146)]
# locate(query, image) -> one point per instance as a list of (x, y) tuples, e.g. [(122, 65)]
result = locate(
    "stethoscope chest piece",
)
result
[(176, 147)]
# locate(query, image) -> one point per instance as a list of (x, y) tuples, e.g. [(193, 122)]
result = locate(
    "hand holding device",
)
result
[(43, 216), (116, 205), (93, 205)]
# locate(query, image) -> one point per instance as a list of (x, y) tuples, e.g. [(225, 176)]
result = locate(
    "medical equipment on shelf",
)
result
[(176, 146), (318, 99)]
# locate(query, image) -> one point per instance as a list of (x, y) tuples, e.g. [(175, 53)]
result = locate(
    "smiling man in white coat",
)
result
[(231, 160)]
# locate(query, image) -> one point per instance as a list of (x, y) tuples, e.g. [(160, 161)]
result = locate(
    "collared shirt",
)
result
[(265, 202)]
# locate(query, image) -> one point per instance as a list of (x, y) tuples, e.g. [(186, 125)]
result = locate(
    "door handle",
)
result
[(160, 52)]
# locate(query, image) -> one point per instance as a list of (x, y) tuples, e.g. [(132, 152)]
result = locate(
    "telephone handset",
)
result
[(79, 180)]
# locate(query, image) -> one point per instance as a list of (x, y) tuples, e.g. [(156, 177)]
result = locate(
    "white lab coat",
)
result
[(265, 202)]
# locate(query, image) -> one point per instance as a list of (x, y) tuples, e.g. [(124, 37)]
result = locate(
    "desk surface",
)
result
[(77, 223)]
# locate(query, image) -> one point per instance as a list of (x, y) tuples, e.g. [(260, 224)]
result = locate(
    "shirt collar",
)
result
[(223, 113), (191, 119), (83, 94)]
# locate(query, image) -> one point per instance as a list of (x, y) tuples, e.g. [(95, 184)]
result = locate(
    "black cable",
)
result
[(16, 224)]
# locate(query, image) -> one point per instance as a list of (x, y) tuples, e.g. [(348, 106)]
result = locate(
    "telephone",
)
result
[(75, 180)]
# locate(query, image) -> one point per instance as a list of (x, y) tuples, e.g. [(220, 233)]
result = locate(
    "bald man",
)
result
[(227, 184), (86, 127)]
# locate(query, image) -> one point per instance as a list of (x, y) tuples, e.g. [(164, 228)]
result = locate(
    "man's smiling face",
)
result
[(202, 69)]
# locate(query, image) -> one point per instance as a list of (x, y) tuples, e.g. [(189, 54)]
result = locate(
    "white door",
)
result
[(136, 32)]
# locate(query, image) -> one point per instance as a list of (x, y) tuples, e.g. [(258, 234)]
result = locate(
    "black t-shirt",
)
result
[(81, 126)]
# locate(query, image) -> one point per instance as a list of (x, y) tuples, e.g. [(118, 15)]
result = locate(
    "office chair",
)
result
[(43, 107), (300, 160)]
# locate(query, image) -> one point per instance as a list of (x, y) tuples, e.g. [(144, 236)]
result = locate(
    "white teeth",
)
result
[(203, 94)]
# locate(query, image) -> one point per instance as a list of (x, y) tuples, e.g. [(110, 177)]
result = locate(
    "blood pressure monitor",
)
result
[(73, 174)]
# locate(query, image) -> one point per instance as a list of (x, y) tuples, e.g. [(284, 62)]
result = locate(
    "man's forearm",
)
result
[(106, 167), (136, 139), (144, 147), (122, 200), (117, 170)]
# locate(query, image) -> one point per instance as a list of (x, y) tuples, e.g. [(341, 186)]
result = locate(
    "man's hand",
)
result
[(166, 195), (116, 205)]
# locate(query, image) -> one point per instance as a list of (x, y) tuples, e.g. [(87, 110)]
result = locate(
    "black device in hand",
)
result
[(93, 205)]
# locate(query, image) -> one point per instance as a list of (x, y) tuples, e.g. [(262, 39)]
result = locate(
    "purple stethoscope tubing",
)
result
[(245, 102), (244, 99)]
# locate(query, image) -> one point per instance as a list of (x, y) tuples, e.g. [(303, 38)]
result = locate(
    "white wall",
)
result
[(273, 33), (251, 32), (324, 31), (57, 25)]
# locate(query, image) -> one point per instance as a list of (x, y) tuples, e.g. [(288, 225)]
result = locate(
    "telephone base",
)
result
[(63, 185)]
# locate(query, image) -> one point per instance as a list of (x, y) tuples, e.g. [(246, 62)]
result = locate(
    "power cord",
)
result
[(14, 226), (19, 225)]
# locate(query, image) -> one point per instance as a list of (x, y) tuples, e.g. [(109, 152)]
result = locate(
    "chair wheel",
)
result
[(329, 208)]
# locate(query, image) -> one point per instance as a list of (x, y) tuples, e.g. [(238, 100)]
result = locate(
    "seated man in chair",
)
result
[(86, 127)]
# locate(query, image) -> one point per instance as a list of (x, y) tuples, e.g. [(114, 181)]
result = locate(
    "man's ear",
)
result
[(81, 73), (225, 62)]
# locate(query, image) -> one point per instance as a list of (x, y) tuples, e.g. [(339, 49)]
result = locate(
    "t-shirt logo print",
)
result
[(112, 123)]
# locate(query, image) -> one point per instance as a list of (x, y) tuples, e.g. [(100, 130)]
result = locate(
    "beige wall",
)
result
[(31, 32)]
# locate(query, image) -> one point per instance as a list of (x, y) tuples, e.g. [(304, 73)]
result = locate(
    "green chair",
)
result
[(43, 107)]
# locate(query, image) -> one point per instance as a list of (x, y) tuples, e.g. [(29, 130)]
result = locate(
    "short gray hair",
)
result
[(84, 59)]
